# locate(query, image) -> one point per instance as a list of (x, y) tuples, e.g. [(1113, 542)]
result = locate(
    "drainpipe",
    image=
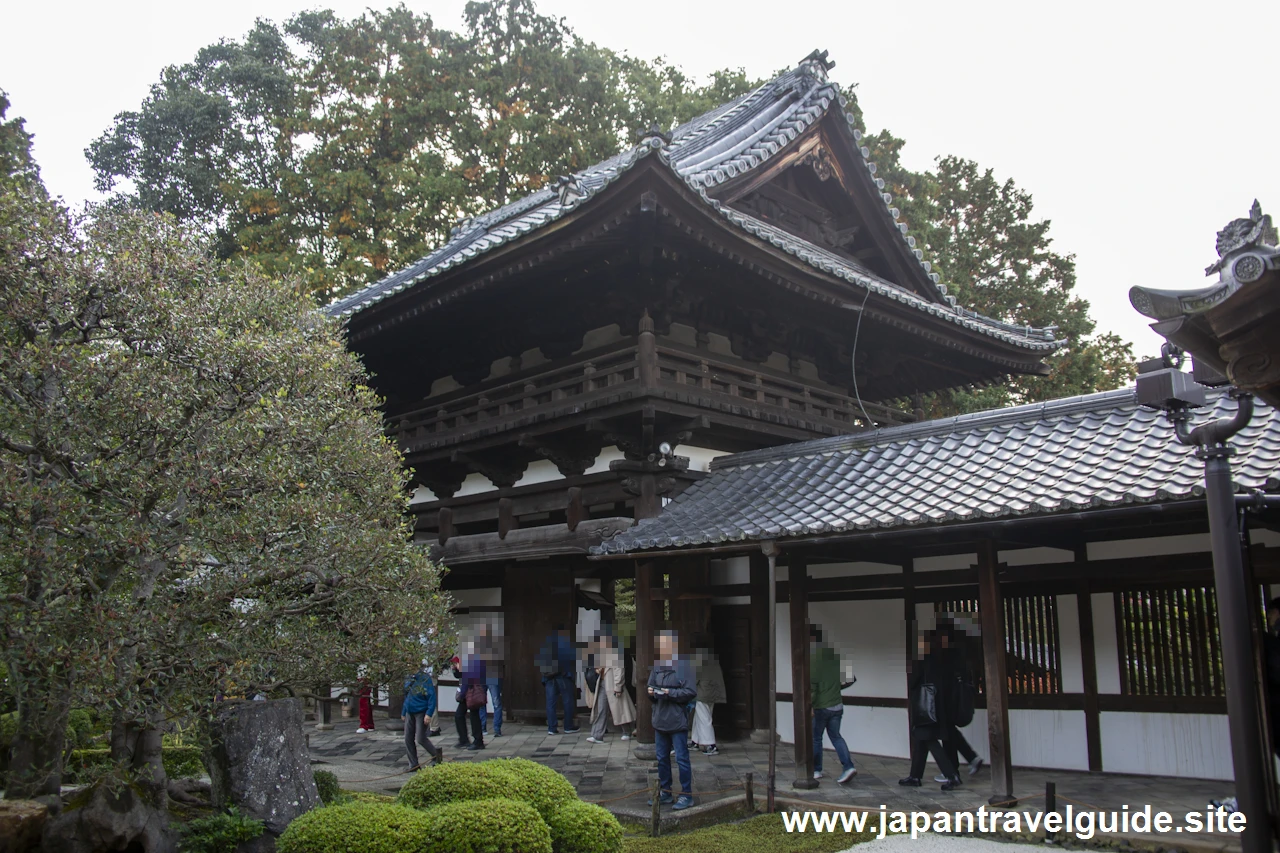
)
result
[(1234, 618), (771, 552)]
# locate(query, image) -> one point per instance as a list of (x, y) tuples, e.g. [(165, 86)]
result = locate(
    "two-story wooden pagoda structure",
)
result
[(567, 361)]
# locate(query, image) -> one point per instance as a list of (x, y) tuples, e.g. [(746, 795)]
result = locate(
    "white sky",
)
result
[(1139, 128)]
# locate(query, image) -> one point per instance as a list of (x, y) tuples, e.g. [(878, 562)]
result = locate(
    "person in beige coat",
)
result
[(608, 698)]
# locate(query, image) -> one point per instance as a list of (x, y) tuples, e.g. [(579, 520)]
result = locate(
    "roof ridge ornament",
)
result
[(1243, 234), (654, 137), (818, 62), (569, 189)]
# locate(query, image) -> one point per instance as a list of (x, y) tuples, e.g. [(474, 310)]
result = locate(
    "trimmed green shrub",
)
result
[(368, 797), (180, 762), (327, 786), (455, 782), (578, 827), (357, 826), (486, 826), (539, 786), (219, 833)]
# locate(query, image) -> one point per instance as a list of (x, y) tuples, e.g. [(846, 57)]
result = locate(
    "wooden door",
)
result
[(534, 599), (731, 628)]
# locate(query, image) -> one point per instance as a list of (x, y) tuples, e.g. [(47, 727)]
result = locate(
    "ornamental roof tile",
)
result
[(1064, 455), (715, 147)]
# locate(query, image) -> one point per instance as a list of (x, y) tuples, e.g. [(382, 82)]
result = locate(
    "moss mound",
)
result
[(541, 787), (578, 827), (486, 826), (456, 782), (366, 827)]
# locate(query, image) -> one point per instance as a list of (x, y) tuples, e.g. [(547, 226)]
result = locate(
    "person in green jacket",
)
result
[(825, 685)]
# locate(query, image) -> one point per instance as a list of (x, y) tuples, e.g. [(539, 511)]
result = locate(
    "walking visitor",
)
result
[(825, 685), (711, 692), (670, 688), (928, 682), (419, 705), (606, 694)]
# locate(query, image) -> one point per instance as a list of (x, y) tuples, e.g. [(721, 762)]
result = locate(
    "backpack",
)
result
[(962, 700)]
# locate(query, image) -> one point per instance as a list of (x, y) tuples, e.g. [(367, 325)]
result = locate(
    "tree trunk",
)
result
[(35, 756), (126, 811)]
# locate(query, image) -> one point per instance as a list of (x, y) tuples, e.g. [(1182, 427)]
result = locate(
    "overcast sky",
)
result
[(1139, 128)]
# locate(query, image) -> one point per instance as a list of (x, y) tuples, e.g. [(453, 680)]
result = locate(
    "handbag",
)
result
[(926, 705), (593, 678), (476, 696)]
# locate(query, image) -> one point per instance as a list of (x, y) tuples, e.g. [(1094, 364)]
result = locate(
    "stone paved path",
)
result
[(376, 761)]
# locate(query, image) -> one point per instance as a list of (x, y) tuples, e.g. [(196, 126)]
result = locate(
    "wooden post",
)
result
[(771, 552), (909, 624), (644, 656), (991, 612), (322, 710), (801, 705), (1089, 667), (749, 786), (1050, 803), (647, 353), (759, 613), (655, 799)]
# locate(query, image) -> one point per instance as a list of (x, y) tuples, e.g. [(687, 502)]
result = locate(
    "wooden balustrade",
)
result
[(688, 374)]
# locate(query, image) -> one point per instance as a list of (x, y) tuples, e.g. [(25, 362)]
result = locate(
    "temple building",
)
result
[(711, 348)]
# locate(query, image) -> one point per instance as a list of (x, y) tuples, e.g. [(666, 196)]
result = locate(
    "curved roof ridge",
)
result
[(1063, 407)]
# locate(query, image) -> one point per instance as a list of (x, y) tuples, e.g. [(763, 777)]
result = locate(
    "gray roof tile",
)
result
[(712, 148), (1065, 455)]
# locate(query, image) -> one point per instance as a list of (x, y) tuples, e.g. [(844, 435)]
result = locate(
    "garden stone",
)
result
[(259, 763), (21, 822)]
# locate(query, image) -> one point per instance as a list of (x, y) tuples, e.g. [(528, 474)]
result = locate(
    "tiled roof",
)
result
[(715, 147), (1064, 455)]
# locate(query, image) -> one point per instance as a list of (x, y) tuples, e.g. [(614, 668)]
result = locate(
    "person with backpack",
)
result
[(558, 664), (671, 689), (472, 696), (419, 705), (928, 684), (825, 685), (709, 682), (962, 702)]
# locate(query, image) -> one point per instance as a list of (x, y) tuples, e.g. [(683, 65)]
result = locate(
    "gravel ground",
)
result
[(930, 843)]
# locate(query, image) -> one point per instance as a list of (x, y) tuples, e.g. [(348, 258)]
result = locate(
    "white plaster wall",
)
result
[(539, 471), (1036, 556), (1119, 549), (1106, 647), (843, 570), (606, 456), (1196, 745), (944, 563), (734, 570), (1069, 652)]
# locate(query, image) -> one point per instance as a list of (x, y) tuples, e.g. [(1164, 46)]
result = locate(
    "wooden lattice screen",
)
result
[(1169, 642), (1033, 658)]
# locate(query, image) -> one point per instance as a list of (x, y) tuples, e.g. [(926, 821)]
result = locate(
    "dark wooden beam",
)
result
[(545, 541), (506, 519), (801, 706), (574, 512), (645, 571), (991, 613), (1089, 666)]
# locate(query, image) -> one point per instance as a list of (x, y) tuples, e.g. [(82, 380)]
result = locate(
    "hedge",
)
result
[(358, 826), (539, 786), (456, 782), (326, 786), (578, 827), (180, 762), (485, 826)]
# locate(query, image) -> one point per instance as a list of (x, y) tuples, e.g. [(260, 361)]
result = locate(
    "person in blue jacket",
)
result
[(557, 661), (672, 689), (419, 705)]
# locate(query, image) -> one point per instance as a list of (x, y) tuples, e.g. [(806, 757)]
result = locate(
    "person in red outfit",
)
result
[(366, 706)]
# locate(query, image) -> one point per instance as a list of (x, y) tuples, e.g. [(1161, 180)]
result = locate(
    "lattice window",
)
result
[(1032, 649), (1169, 643)]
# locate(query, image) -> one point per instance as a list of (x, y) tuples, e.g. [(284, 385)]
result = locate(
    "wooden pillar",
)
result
[(645, 570), (771, 551), (1089, 666), (759, 610), (991, 612), (647, 353), (910, 634), (801, 704)]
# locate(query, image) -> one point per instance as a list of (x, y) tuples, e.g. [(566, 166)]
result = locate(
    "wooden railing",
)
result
[(692, 375), (524, 395), (739, 384)]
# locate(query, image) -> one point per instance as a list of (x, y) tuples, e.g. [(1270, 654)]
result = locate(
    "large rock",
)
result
[(260, 764), (21, 823)]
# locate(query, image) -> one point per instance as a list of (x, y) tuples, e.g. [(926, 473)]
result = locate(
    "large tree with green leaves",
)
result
[(981, 236), (196, 496), (337, 150)]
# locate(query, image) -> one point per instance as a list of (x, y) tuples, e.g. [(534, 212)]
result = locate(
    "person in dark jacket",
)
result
[(469, 668), (930, 670), (957, 654), (1271, 652), (558, 663), (672, 691), (419, 705)]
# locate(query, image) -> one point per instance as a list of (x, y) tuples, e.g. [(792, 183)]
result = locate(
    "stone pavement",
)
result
[(610, 772)]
